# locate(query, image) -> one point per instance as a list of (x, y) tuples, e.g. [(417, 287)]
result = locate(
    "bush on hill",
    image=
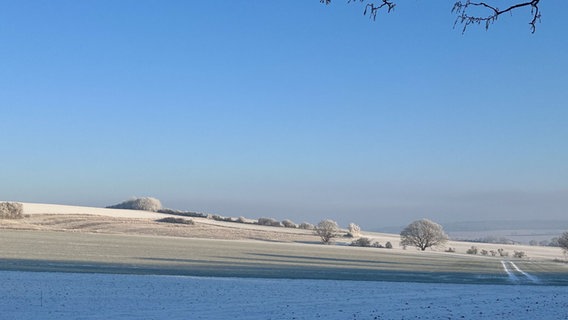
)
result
[(289, 224), (361, 242), (306, 226), (144, 204), (269, 222), (503, 253), (472, 250), (183, 213), (11, 210)]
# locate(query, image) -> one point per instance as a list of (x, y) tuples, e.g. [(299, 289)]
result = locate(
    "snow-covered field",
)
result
[(25, 295), (534, 252), (524, 290)]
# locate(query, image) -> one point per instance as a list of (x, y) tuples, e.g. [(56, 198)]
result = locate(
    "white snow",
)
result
[(25, 295), (528, 276), (42, 208), (512, 276)]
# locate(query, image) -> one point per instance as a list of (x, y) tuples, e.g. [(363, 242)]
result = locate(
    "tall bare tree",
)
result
[(563, 242), (423, 234), (487, 14)]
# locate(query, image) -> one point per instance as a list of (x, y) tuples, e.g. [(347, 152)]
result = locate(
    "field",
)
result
[(106, 296), (138, 267), (141, 254)]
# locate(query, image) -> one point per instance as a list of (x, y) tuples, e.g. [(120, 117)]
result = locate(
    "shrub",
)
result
[(493, 253), (361, 242), (217, 217), (472, 250), (306, 226), (354, 230), (388, 245), (176, 220), (519, 254), (377, 244), (503, 253), (484, 252), (242, 220), (289, 224), (11, 210), (183, 213), (144, 204), (269, 222), (451, 250), (494, 239)]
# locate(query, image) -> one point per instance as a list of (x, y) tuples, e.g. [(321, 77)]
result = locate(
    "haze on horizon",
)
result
[(287, 110)]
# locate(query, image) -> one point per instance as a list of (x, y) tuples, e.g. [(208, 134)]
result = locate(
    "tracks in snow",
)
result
[(517, 275)]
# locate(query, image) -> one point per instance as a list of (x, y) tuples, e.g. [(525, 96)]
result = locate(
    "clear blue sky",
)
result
[(285, 109)]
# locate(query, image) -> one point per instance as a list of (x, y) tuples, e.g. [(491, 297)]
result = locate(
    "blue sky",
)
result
[(287, 109)]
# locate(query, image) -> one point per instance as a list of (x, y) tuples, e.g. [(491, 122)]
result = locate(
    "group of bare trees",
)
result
[(421, 234)]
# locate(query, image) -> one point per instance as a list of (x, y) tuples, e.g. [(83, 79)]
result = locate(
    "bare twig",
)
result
[(372, 9)]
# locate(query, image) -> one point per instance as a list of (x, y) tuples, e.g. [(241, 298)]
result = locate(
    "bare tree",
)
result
[(423, 234), (486, 12), (327, 230), (563, 242)]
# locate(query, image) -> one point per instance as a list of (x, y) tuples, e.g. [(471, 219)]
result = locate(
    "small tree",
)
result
[(472, 250), (354, 230), (423, 234), (327, 230)]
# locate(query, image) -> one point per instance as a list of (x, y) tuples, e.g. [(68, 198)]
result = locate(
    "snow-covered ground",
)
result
[(25, 295), (43, 208)]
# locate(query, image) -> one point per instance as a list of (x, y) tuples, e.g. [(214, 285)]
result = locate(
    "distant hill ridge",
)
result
[(494, 225)]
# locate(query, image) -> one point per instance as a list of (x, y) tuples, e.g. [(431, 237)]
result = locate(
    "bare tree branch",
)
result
[(462, 9), (466, 19)]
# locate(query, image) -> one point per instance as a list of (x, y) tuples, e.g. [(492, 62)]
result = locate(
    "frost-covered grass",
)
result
[(25, 295)]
